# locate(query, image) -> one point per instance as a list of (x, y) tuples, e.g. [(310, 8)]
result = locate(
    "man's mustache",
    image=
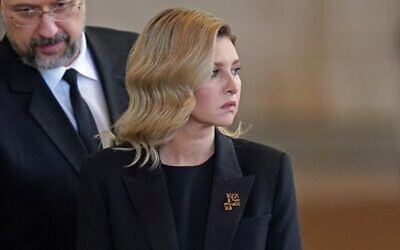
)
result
[(49, 41)]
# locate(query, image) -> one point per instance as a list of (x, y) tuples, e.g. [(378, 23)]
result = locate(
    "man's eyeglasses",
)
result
[(30, 16)]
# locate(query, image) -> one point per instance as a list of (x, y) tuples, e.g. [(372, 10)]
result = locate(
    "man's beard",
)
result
[(44, 62)]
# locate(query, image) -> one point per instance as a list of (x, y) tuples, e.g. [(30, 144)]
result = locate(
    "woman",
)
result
[(178, 181)]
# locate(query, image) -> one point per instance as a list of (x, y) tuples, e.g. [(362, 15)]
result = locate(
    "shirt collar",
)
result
[(83, 64)]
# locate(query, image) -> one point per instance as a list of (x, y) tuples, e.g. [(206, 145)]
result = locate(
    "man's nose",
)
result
[(47, 26)]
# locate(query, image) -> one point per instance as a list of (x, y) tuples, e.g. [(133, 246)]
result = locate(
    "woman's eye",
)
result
[(215, 73), (236, 70)]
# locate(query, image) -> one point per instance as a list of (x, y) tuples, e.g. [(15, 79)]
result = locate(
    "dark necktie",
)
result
[(86, 125)]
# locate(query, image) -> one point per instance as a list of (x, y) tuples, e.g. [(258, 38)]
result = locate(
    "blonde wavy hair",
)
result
[(171, 58)]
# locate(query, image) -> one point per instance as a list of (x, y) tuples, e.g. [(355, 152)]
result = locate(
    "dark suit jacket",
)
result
[(124, 208), (40, 154)]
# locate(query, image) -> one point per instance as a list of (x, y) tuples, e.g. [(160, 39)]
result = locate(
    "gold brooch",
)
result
[(232, 200)]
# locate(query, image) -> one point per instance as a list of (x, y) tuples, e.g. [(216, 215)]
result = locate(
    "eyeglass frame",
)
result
[(39, 14)]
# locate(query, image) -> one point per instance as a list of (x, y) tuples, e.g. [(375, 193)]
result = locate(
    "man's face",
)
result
[(47, 43)]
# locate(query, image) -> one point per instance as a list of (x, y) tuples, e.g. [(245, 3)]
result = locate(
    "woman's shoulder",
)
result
[(109, 160), (252, 148), (254, 157)]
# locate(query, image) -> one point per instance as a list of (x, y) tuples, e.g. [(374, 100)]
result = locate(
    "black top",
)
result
[(189, 190)]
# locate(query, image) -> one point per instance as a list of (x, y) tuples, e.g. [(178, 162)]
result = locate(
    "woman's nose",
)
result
[(233, 84)]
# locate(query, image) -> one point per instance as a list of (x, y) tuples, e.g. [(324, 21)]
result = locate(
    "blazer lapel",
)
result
[(149, 194), (228, 179), (112, 74)]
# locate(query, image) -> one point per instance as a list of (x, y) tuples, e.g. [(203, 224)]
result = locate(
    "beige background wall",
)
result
[(320, 81)]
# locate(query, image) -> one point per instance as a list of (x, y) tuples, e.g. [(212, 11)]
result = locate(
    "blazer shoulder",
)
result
[(259, 159), (247, 148), (108, 161), (111, 35)]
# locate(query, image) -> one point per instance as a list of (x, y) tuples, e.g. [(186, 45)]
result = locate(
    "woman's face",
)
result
[(217, 100)]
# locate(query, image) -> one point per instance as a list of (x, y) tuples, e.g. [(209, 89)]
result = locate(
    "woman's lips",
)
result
[(229, 106)]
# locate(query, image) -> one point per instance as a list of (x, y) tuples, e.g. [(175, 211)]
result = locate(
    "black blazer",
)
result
[(124, 208), (40, 154)]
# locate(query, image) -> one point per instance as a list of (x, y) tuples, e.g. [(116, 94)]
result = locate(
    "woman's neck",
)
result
[(189, 147)]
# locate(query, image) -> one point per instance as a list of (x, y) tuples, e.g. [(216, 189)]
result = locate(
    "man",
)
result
[(42, 134)]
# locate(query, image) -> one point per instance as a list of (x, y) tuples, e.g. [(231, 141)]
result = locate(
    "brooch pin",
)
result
[(232, 200)]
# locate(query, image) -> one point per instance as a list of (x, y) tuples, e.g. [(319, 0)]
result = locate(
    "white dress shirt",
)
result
[(89, 86)]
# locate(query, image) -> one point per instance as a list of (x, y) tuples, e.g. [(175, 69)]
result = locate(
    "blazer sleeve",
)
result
[(93, 230), (284, 233)]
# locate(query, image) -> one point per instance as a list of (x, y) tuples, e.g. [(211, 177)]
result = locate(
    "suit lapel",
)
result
[(47, 112), (149, 194), (44, 107), (111, 72), (221, 223)]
